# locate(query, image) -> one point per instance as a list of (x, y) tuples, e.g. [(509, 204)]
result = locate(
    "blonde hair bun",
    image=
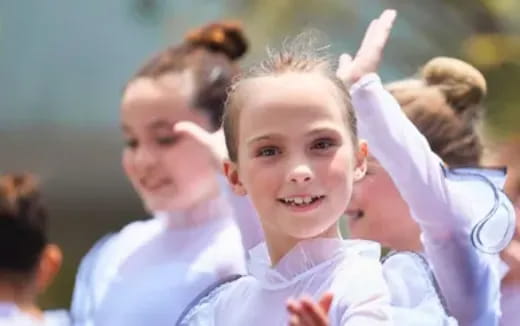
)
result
[(463, 85)]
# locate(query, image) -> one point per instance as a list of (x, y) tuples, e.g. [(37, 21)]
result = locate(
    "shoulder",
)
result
[(203, 309), (360, 274), (91, 258), (478, 192)]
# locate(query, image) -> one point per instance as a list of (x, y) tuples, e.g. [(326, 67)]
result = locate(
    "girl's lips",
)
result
[(303, 207)]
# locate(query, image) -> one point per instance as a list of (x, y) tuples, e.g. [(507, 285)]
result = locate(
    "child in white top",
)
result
[(291, 137), (462, 214), (149, 271), (28, 262)]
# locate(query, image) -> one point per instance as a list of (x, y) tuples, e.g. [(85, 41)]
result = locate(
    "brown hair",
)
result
[(299, 55), (23, 223), (445, 105), (209, 53)]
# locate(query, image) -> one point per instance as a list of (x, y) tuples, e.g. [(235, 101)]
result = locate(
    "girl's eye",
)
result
[(268, 151), (131, 143), (167, 141), (323, 144)]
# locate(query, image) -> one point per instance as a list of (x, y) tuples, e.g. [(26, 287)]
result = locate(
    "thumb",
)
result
[(194, 131), (344, 68), (326, 301)]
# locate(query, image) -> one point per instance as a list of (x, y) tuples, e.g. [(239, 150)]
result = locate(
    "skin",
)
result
[(293, 142), (305, 311), (170, 170), (378, 212)]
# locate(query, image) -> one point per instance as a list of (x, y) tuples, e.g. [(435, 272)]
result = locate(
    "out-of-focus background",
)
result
[(64, 63)]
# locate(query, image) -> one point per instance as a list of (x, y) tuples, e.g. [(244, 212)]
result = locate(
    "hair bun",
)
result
[(462, 84), (225, 36), (18, 193)]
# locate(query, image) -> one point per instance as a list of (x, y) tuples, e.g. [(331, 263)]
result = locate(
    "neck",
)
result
[(22, 296), (201, 213), (279, 244)]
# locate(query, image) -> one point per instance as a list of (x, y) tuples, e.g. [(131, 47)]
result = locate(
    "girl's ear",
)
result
[(231, 172), (49, 266), (361, 161)]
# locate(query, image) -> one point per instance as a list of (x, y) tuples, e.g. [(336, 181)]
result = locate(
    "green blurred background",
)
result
[(63, 64)]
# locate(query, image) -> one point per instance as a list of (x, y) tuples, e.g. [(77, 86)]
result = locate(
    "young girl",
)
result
[(293, 149), (461, 213), (28, 262), (149, 271), (458, 217), (510, 288)]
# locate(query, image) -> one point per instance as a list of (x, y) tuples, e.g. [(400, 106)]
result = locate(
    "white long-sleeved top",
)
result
[(450, 206), (11, 315), (348, 268), (147, 273)]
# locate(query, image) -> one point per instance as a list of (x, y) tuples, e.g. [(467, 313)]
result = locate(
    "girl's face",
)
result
[(296, 159), (378, 212), (170, 172)]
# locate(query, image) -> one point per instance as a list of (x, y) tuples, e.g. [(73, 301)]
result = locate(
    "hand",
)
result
[(511, 256), (214, 142), (306, 312), (370, 52)]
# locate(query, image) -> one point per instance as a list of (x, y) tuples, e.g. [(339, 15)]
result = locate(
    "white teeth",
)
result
[(300, 200)]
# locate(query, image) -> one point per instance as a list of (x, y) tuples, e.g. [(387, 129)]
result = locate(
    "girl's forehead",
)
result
[(168, 86), (289, 90)]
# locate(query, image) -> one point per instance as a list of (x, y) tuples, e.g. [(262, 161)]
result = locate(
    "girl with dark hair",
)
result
[(28, 261)]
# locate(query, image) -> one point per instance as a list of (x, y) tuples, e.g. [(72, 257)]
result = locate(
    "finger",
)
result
[(326, 301), (294, 320), (294, 307), (194, 131), (344, 67), (384, 27), (368, 37), (387, 18), (314, 312)]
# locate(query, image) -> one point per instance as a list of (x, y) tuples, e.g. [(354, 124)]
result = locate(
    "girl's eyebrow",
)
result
[(263, 137), (321, 130), (160, 124)]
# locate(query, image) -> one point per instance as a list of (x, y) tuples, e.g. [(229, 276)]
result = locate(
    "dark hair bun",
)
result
[(462, 84), (226, 37), (22, 223)]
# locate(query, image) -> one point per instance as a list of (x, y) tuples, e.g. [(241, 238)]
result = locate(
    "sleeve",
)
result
[(366, 298), (245, 218), (467, 278), (83, 305), (414, 296)]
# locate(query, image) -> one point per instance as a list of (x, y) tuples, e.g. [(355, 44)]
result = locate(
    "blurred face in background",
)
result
[(171, 172), (378, 212)]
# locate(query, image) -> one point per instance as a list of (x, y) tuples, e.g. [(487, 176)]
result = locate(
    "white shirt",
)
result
[(415, 298), (348, 268), (510, 306), (458, 211), (10, 315), (148, 272)]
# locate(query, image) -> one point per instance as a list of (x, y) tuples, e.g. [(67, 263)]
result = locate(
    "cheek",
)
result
[(127, 163), (186, 161), (338, 172), (381, 200), (260, 177)]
